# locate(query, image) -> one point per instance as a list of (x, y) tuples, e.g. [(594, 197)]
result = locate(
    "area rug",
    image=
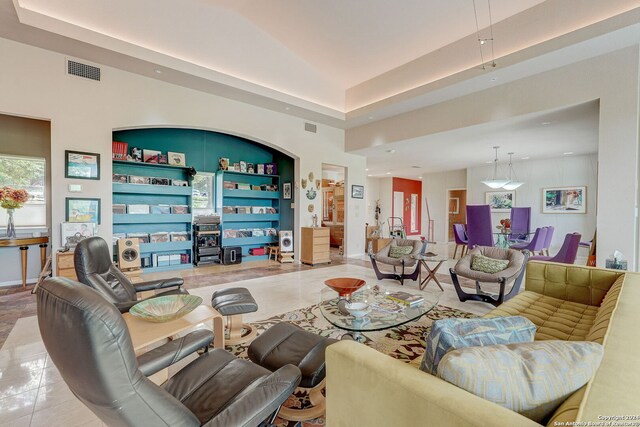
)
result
[(405, 342)]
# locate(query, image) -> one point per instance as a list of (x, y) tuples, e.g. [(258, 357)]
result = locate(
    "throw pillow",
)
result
[(532, 379), (488, 265), (400, 251), (453, 334)]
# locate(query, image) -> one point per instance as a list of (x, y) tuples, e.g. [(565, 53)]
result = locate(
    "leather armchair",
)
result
[(94, 268), (406, 261), (88, 342)]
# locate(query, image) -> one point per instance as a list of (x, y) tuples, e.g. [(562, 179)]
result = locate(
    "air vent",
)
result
[(83, 70), (310, 127)]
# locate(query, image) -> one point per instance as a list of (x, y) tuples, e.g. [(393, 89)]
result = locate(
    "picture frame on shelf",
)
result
[(223, 164), (260, 168), (564, 200), (163, 159), (136, 154), (357, 191), (150, 156), (79, 209), (74, 232), (81, 165), (243, 166), (286, 191), (177, 159), (500, 201)]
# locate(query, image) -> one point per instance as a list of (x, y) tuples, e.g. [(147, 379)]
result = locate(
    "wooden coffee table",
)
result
[(146, 334)]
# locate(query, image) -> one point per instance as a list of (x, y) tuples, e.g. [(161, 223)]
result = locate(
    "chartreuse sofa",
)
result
[(565, 302)]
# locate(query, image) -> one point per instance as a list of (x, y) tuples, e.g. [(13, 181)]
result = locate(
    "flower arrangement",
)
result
[(11, 198)]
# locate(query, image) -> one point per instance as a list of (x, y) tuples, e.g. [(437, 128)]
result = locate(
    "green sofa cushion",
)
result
[(400, 251), (488, 265)]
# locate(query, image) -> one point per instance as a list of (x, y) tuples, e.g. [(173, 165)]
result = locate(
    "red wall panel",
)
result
[(408, 187)]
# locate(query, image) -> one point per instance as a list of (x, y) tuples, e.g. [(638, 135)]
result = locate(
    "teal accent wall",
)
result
[(203, 149)]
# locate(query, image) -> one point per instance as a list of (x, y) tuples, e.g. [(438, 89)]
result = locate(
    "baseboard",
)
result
[(17, 282)]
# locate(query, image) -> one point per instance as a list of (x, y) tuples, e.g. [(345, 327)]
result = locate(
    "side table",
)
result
[(431, 272), (23, 244)]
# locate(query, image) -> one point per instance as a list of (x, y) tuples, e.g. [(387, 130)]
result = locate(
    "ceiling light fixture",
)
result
[(391, 151), (568, 153), (419, 177), (482, 42), (495, 182), (388, 173), (513, 183), (158, 71), (525, 158)]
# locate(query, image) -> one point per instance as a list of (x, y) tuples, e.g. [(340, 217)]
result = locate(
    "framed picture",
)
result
[(454, 205), (74, 232), (357, 191), (178, 159), (500, 201), (82, 210), (79, 165), (150, 156), (564, 200), (286, 190)]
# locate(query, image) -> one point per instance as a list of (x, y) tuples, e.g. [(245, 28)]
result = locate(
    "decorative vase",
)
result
[(11, 229)]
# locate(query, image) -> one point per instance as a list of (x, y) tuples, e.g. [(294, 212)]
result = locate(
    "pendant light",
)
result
[(496, 182), (513, 180)]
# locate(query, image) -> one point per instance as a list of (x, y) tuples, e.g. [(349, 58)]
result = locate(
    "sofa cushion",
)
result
[(452, 334), (532, 379), (400, 251), (555, 319), (601, 322), (488, 265)]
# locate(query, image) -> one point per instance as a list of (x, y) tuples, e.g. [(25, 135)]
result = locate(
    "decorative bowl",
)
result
[(345, 286), (166, 308), (358, 309)]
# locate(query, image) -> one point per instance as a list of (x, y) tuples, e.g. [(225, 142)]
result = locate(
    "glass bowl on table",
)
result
[(165, 308)]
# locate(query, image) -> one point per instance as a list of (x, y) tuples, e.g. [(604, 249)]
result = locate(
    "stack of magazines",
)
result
[(405, 298)]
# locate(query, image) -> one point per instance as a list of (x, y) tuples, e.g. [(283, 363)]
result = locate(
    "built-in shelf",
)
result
[(150, 189), (151, 165), (150, 218), (165, 246), (166, 268), (250, 217), (251, 194), (243, 241)]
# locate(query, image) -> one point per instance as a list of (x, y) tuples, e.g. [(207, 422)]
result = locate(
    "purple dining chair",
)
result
[(520, 223), (567, 253), (548, 239), (460, 236), (537, 241), (479, 232)]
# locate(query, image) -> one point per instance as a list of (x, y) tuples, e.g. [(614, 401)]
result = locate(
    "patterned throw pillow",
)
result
[(488, 265), (400, 251), (453, 334), (532, 379)]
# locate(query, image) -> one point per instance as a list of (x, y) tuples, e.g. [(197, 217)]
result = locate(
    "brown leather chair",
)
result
[(88, 341), (95, 268), (418, 248)]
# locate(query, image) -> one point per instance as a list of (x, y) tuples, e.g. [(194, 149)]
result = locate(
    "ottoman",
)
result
[(233, 303), (285, 343)]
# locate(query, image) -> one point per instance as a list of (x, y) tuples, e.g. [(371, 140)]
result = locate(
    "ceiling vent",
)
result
[(79, 69), (310, 127)]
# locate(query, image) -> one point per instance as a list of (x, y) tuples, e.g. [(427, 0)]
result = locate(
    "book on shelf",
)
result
[(119, 208), (160, 209), (119, 150), (142, 237), (160, 237), (179, 236), (406, 298), (138, 209), (179, 209)]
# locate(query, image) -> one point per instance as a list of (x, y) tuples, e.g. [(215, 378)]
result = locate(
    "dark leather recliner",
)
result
[(88, 341), (94, 268)]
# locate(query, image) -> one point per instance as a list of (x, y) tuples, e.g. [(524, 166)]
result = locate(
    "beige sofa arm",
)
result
[(368, 388), (574, 283)]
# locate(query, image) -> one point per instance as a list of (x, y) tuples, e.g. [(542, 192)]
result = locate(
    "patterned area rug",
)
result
[(405, 342)]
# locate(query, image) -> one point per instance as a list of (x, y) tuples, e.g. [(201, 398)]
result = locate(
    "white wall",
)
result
[(539, 174), (84, 113), (434, 189)]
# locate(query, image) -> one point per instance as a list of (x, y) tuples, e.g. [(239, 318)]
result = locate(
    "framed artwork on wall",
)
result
[(82, 210), (80, 165), (74, 232), (454, 205), (564, 200), (500, 201), (357, 191), (286, 190)]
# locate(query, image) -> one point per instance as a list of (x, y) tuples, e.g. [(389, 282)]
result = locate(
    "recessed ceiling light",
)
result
[(287, 108), (482, 41), (369, 175), (367, 169), (493, 79), (545, 123), (524, 158), (416, 167), (388, 173), (568, 153), (371, 117), (419, 177), (391, 151), (158, 71), (489, 161)]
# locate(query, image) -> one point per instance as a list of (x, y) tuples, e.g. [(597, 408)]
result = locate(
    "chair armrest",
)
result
[(254, 404), (166, 355), (152, 285)]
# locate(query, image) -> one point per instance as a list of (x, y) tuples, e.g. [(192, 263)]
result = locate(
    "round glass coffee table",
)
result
[(384, 313)]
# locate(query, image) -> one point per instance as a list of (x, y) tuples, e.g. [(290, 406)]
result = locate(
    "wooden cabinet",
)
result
[(64, 265), (315, 245)]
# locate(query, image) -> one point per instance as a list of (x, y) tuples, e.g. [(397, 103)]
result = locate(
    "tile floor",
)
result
[(32, 392)]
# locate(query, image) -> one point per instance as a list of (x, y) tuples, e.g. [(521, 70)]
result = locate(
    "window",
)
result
[(26, 173), (203, 194)]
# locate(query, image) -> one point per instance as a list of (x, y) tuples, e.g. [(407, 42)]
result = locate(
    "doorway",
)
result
[(333, 204), (456, 210)]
